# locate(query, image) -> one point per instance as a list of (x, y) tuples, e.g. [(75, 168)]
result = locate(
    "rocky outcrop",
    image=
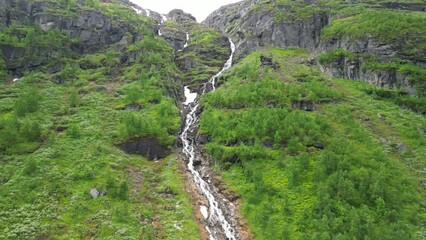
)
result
[(361, 50), (147, 147), (93, 30), (304, 105), (79, 31), (176, 28), (199, 52), (180, 16), (253, 25), (176, 37), (202, 60)]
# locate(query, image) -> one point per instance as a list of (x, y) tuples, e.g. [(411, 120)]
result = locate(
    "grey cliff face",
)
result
[(90, 31), (252, 29), (351, 68), (175, 35)]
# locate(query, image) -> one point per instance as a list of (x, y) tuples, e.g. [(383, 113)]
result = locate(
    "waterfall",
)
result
[(214, 213), (186, 43)]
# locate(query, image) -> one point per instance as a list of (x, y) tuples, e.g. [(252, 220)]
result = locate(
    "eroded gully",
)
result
[(218, 212)]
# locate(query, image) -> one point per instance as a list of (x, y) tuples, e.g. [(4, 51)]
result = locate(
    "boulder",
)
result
[(147, 147), (94, 192), (304, 105)]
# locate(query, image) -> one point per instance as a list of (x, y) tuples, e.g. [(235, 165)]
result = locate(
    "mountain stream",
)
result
[(217, 214)]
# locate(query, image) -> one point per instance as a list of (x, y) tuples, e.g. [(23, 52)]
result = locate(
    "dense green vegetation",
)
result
[(58, 143), (59, 131), (249, 85), (349, 170), (401, 27)]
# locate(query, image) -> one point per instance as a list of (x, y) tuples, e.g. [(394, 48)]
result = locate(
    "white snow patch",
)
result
[(190, 97), (164, 17), (204, 211)]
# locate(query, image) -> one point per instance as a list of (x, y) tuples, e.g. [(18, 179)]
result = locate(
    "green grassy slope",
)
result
[(351, 169), (58, 141)]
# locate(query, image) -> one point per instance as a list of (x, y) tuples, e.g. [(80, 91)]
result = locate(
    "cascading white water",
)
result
[(227, 65), (215, 213), (187, 40), (186, 43)]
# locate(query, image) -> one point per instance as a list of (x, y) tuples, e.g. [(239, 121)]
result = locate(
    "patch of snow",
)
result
[(204, 211), (164, 17), (190, 97)]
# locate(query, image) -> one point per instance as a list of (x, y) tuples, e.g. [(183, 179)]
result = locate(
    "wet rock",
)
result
[(197, 162), (147, 147), (304, 105)]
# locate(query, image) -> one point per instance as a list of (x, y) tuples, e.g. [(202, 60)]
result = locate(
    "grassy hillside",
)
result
[(350, 168), (59, 130)]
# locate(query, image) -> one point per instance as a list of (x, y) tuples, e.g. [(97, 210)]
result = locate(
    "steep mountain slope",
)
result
[(93, 124), (312, 158), (88, 76), (380, 42)]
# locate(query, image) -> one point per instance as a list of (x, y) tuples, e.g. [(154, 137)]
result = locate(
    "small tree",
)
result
[(28, 102), (30, 131)]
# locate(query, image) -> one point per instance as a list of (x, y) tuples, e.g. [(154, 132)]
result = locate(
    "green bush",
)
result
[(28, 102), (386, 25)]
